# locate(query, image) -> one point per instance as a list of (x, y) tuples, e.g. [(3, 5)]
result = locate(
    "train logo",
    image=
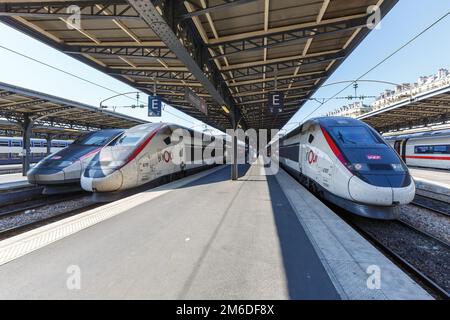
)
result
[(167, 156), (311, 156)]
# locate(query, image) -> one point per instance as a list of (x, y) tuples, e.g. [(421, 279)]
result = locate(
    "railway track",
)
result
[(22, 207), (27, 226), (407, 248), (418, 267), (437, 206)]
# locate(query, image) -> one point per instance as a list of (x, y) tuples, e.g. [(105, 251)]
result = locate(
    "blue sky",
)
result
[(423, 57)]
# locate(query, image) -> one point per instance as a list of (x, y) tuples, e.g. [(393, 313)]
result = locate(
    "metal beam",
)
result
[(55, 9), (219, 7), (282, 66), (155, 75), (286, 36), (152, 53), (197, 58)]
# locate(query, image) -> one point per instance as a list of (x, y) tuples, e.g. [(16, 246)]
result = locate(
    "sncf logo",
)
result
[(312, 157), (166, 156)]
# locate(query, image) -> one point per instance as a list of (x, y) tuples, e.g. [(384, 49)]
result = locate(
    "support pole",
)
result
[(49, 144), (234, 164), (27, 124)]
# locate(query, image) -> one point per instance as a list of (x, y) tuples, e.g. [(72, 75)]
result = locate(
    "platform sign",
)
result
[(196, 101), (154, 106), (276, 101)]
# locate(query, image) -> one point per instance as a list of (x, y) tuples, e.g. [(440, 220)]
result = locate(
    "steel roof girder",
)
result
[(154, 75), (282, 38), (185, 42), (141, 52), (88, 9)]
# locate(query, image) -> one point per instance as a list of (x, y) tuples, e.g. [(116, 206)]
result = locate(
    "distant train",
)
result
[(425, 149), (145, 154), (61, 171), (346, 162), (11, 149)]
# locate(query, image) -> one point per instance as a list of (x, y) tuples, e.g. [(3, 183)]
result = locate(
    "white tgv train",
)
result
[(348, 163), (424, 149), (146, 153)]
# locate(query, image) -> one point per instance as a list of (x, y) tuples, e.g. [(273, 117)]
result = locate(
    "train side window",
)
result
[(4, 143), (440, 149), (310, 138)]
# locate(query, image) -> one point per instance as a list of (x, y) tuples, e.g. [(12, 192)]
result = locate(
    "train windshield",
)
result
[(99, 138), (354, 136)]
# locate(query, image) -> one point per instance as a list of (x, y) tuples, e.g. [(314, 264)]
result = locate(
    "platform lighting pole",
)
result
[(27, 124)]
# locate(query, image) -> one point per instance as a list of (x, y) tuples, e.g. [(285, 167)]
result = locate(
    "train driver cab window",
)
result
[(92, 139), (355, 136), (310, 138)]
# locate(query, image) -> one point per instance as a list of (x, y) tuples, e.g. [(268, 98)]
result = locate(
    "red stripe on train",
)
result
[(427, 157)]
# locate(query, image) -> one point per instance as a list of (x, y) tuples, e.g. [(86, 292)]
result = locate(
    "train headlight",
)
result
[(397, 167), (359, 167)]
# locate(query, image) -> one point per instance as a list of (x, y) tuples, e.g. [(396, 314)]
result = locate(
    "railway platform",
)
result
[(433, 183), (12, 180), (10, 168), (202, 237)]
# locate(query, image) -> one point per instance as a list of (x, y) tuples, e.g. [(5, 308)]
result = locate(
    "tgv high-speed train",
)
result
[(425, 149), (349, 164), (61, 171), (144, 154)]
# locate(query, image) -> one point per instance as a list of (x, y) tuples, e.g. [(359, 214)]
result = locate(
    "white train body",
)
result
[(144, 154), (425, 149), (361, 173)]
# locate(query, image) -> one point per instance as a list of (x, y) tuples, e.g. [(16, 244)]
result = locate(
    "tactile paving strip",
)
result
[(20, 245)]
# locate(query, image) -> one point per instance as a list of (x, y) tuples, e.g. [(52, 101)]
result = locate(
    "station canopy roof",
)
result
[(228, 52), (56, 115), (428, 108), (13, 129)]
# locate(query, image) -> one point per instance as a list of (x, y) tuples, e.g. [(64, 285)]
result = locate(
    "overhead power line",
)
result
[(379, 63)]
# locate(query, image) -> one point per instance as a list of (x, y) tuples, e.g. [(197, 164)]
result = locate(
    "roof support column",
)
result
[(49, 143), (27, 125), (234, 162)]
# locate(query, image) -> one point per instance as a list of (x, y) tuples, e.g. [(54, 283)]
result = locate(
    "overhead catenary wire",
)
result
[(79, 77), (376, 65)]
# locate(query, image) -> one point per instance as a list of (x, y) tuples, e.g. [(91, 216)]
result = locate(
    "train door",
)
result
[(397, 144), (403, 154)]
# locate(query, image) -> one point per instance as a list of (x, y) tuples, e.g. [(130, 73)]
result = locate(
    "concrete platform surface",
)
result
[(209, 239), (434, 176), (203, 237), (12, 180), (432, 183)]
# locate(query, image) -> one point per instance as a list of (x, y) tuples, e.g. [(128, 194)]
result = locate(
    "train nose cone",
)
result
[(86, 184), (44, 176), (363, 192)]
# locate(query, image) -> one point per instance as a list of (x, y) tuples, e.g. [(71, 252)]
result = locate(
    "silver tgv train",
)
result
[(144, 154), (61, 171), (349, 164)]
